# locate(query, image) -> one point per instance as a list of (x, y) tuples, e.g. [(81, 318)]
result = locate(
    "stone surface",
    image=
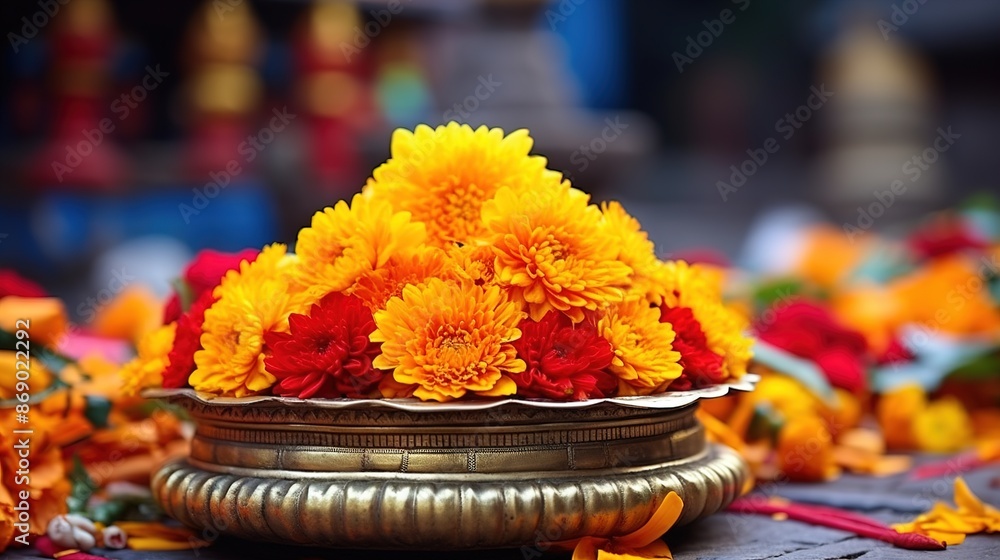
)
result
[(727, 536)]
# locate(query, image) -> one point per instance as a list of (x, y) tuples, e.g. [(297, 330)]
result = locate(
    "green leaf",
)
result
[(777, 292), (82, 487), (184, 293), (96, 410), (802, 370)]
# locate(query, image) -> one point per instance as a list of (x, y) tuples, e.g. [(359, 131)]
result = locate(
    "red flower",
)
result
[(327, 354), (187, 341), (702, 367), (810, 331), (203, 274), (564, 362), (13, 284), (943, 235), (895, 353)]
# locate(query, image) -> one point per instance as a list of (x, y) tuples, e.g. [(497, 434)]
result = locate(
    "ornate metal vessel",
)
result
[(381, 474)]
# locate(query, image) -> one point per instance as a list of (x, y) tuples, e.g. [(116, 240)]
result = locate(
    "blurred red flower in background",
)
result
[(13, 284), (203, 274), (810, 331)]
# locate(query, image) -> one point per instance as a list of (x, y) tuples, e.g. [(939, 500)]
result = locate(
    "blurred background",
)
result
[(133, 134)]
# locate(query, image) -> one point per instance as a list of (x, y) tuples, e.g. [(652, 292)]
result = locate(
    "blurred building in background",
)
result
[(141, 132)]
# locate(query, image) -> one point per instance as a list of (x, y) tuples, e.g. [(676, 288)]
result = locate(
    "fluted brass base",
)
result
[(396, 480), (443, 512)]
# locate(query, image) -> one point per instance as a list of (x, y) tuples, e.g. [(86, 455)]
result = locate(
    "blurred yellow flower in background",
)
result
[(146, 369), (47, 315)]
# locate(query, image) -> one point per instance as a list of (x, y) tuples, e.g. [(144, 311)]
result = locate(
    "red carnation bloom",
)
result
[(810, 331), (203, 274), (564, 362), (702, 367), (13, 284), (187, 341), (327, 353)]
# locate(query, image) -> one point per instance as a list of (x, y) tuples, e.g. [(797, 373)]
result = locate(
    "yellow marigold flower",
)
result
[(645, 361), (344, 242), (943, 426), (146, 369), (443, 175), (699, 288), (375, 288), (551, 251), (475, 263), (634, 248), (450, 338), (253, 300)]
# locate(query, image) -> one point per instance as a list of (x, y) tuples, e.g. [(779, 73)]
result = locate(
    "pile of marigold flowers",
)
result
[(91, 449), (871, 345), (464, 269)]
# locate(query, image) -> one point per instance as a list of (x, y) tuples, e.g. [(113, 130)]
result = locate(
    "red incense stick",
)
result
[(838, 519)]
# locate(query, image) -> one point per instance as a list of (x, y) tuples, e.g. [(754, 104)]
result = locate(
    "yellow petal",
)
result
[(504, 386), (662, 520), (966, 501), (949, 539), (586, 548), (159, 543)]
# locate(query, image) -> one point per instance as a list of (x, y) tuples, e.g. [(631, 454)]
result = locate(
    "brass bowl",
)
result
[(370, 475)]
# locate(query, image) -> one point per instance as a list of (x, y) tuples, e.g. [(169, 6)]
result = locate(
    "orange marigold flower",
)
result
[(552, 252), (645, 360), (443, 175), (146, 369), (344, 242), (251, 301), (450, 338), (805, 449), (49, 486), (376, 287), (475, 263), (634, 248)]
